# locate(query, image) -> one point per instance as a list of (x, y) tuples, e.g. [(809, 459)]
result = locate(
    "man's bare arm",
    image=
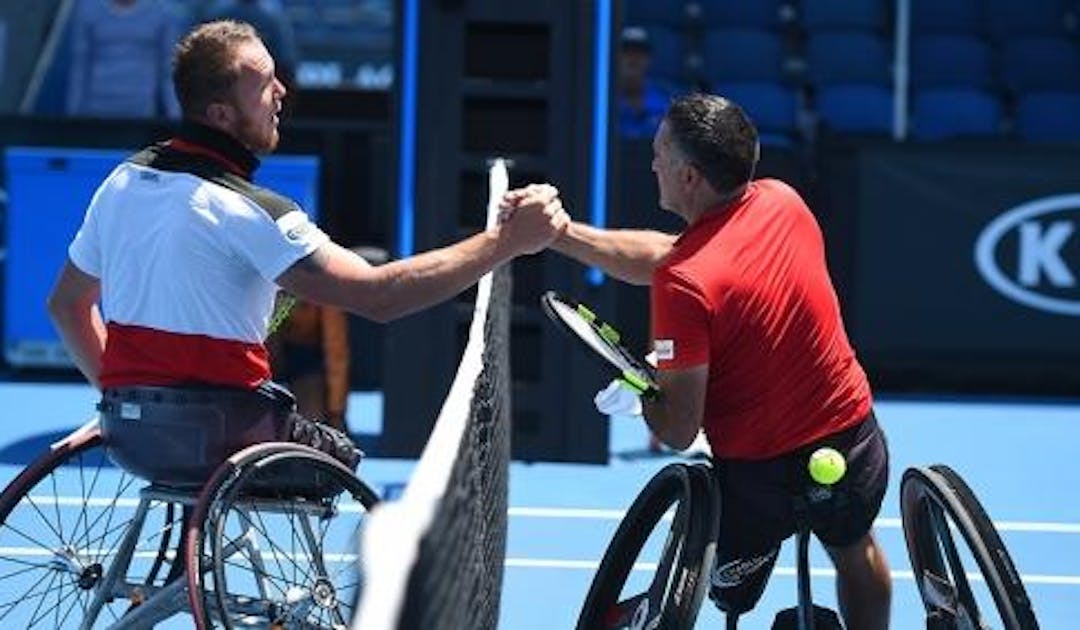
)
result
[(335, 276), (73, 308), (629, 255), (675, 416)]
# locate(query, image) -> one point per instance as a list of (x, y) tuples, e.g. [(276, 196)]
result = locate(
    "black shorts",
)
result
[(759, 501)]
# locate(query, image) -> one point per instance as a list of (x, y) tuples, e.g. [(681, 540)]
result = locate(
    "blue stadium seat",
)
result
[(743, 55), (766, 14), (848, 57), (943, 113), (953, 16), (1016, 18), (951, 60), (1040, 63), (773, 107), (668, 53), (1048, 117), (646, 12), (860, 109), (845, 14)]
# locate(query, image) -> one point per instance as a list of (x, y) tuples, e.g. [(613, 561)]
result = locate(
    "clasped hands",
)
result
[(533, 217)]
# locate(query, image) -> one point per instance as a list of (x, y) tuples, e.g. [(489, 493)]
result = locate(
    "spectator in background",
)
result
[(309, 353), (273, 27), (121, 65), (641, 102)]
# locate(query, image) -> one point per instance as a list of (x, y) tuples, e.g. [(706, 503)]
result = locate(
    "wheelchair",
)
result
[(264, 536), (677, 514), (950, 539)]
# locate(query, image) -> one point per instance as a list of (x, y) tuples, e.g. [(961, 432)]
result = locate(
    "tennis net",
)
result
[(434, 558)]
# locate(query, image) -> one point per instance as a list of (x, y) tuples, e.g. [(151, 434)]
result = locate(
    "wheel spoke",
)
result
[(26, 567), (107, 514), (289, 570), (77, 602), (40, 544), (55, 546), (56, 508), (280, 552), (88, 494), (44, 519), (23, 598), (41, 599)]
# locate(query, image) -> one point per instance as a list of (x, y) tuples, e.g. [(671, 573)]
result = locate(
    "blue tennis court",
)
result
[(1016, 455)]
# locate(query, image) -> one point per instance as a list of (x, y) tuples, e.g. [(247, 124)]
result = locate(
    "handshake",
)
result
[(532, 218)]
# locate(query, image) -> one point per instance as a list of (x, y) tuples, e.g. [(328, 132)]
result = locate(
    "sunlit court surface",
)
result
[(1016, 456)]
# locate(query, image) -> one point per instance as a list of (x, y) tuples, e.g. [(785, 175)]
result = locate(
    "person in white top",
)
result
[(185, 254), (180, 242)]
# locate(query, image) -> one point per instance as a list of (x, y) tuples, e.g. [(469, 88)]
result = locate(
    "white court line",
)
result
[(544, 563), (7, 553), (591, 565), (615, 515), (1040, 527), (884, 523)]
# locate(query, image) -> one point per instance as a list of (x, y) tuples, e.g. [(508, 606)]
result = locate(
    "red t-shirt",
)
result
[(747, 292)]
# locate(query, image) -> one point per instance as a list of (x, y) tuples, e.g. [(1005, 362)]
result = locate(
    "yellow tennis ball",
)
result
[(827, 466)]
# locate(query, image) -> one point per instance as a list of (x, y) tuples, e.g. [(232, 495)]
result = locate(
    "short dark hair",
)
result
[(717, 137), (204, 65)]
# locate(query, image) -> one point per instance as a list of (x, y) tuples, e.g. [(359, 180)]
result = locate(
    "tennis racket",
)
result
[(603, 339)]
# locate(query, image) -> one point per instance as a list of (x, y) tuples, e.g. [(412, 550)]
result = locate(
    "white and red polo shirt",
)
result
[(188, 250)]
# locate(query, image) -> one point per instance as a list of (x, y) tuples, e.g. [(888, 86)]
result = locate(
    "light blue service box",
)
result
[(48, 191)]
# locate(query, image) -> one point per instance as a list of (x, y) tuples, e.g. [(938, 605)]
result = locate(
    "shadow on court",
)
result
[(26, 450)]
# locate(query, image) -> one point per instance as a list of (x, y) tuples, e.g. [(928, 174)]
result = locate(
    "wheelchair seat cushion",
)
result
[(176, 436)]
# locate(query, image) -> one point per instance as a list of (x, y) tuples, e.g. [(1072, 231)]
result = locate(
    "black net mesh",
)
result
[(455, 581)]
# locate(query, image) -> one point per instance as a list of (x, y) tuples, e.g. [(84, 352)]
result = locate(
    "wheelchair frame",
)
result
[(77, 565)]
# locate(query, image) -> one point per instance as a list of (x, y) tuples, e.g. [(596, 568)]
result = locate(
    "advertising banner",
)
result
[(967, 258)]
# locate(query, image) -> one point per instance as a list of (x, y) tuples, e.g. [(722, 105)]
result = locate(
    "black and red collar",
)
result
[(199, 139)]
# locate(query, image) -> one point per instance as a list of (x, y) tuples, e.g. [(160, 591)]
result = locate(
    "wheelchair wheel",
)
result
[(933, 501), (275, 535), (63, 520), (673, 595)]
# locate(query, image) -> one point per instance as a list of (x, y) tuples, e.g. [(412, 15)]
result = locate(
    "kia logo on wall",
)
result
[(1031, 254)]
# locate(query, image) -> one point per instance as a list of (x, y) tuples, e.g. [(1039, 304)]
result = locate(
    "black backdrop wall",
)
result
[(964, 263)]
